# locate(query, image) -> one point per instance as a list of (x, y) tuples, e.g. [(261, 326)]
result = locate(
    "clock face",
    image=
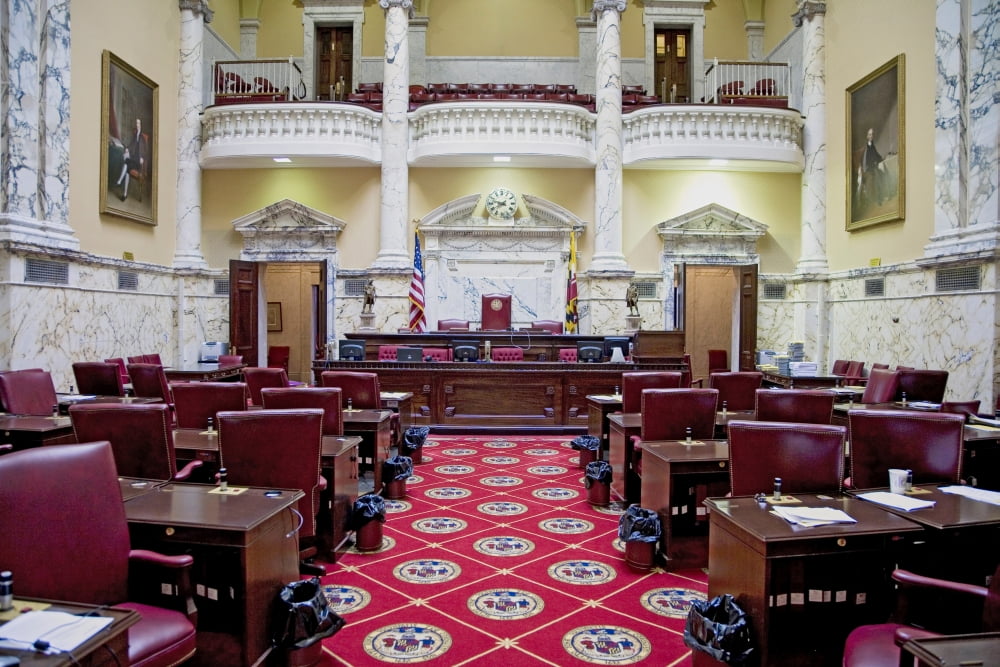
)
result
[(501, 204)]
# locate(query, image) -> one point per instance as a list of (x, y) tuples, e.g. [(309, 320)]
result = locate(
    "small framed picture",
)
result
[(274, 316)]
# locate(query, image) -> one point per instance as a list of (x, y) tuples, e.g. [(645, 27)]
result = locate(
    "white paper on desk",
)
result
[(72, 398), (813, 516), (982, 495), (896, 500), (63, 631)]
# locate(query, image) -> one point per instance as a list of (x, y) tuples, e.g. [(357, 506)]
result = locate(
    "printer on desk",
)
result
[(210, 351)]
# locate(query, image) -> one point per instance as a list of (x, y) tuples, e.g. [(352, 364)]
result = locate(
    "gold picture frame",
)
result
[(274, 316), (129, 122), (876, 175)]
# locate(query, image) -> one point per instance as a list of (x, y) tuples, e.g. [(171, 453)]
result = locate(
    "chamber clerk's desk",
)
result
[(26, 431), (107, 648), (373, 427), (204, 372), (762, 560), (599, 406), (245, 548), (669, 469)]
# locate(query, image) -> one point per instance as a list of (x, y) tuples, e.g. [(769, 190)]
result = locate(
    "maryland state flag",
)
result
[(571, 318)]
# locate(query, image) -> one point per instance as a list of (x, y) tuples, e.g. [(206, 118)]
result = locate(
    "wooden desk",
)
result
[(801, 382), (624, 480), (106, 648), (66, 400), (193, 443), (783, 575), (340, 468), (245, 548), (373, 428), (980, 650), (137, 486), (722, 420), (674, 480), (400, 402), (204, 372), (599, 406), (25, 431)]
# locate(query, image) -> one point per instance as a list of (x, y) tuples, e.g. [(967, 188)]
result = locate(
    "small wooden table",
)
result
[(400, 402), (373, 427), (599, 406), (624, 480), (802, 382)]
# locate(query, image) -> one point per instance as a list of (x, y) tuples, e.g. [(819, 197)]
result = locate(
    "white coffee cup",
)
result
[(897, 480)]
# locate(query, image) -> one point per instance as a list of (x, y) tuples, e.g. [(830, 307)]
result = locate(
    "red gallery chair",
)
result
[(809, 458), (28, 392), (804, 406), (196, 402), (633, 383)]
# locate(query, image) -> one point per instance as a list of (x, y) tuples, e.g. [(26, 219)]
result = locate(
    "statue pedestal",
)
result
[(367, 320), (633, 323)]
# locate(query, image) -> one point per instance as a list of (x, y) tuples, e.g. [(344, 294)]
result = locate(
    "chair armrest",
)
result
[(163, 581), (321, 483), (186, 471), (939, 605), (700, 382), (911, 580), (905, 633)]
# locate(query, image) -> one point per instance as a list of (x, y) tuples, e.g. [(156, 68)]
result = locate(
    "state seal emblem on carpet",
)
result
[(401, 643), (606, 645)]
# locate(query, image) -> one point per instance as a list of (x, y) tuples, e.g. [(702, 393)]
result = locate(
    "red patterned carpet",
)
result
[(496, 557)]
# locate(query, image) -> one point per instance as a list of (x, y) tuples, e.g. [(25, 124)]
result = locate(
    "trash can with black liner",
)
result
[(395, 470), (640, 529), (720, 628), (413, 443), (366, 519), (598, 483), (588, 446), (302, 618)]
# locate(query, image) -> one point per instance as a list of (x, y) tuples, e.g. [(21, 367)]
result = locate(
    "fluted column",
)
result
[(187, 251), (810, 17), (608, 174), (392, 253)]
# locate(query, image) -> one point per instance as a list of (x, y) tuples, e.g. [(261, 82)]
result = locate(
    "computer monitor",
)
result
[(465, 350), (621, 342), (409, 354), (589, 352), (352, 350)]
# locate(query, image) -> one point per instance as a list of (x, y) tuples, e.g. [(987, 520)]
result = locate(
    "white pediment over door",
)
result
[(467, 254), (288, 230)]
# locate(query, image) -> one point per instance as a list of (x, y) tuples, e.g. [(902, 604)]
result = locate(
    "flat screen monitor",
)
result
[(621, 342), (589, 352), (352, 350), (465, 350), (409, 354)]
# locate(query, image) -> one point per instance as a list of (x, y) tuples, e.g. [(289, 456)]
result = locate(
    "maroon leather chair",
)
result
[(141, 437), (326, 398), (387, 352), (634, 382), (364, 391), (567, 354), (687, 379), (152, 359), (881, 387), (438, 353), (258, 377), (278, 449), (226, 359), (453, 324), (737, 390), (278, 356), (65, 537), (928, 443), (919, 599), (507, 354), (668, 413), (195, 402), (967, 408), (552, 326), (839, 367), (809, 458), (99, 378), (855, 373), (803, 406), (922, 385), (122, 370), (149, 381), (718, 361), (28, 392)]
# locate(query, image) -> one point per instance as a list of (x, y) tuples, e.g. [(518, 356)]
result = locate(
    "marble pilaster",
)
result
[(418, 49), (392, 253), (755, 39), (248, 38), (810, 17), (608, 254), (587, 40), (187, 251)]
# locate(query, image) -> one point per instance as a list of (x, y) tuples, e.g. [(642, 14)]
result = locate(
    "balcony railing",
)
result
[(252, 81), (747, 83)]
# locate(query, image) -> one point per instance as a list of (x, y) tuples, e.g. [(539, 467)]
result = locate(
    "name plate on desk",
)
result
[(229, 490)]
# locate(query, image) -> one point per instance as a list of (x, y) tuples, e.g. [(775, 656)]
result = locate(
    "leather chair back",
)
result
[(968, 408), (737, 391), (28, 392), (152, 359), (387, 352), (275, 449), (507, 354), (258, 377), (922, 385), (567, 354), (278, 356), (195, 402), (928, 443), (803, 406), (361, 388), (141, 435), (449, 324), (668, 413), (881, 386), (809, 458), (226, 359), (122, 370), (98, 377), (327, 399), (633, 383), (552, 326), (149, 381), (438, 353), (839, 367), (718, 361), (855, 372)]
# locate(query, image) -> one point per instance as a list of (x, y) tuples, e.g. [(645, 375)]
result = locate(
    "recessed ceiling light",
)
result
[(282, 159), (501, 158)]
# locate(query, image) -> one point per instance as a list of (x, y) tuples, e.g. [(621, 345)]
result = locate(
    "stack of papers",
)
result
[(813, 516), (803, 368), (923, 405), (982, 495), (73, 398), (896, 500), (63, 631)]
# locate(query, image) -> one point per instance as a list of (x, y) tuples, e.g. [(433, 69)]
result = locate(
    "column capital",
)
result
[(402, 4), (198, 7), (807, 10), (608, 5)]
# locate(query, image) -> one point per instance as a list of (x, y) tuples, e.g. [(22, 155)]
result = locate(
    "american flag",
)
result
[(571, 314), (418, 322)]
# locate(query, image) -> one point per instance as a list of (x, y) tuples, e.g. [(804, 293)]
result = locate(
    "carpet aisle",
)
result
[(496, 557)]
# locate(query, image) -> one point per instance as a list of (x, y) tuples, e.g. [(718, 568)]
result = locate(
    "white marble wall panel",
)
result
[(54, 191), (606, 304), (392, 304), (450, 69), (950, 131), (984, 113)]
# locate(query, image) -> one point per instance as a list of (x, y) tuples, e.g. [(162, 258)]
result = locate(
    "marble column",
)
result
[(810, 17), (608, 254), (392, 253), (248, 38), (34, 135), (187, 251)]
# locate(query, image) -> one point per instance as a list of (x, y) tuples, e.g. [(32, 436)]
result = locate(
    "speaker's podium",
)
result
[(495, 312)]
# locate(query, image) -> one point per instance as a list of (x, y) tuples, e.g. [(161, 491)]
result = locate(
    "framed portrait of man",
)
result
[(129, 103), (875, 147)]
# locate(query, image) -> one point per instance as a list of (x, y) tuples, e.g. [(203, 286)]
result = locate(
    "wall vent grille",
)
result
[(128, 281), (875, 287), (646, 290), (355, 286), (958, 279), (46, 271), (222, 287), (774, 291)]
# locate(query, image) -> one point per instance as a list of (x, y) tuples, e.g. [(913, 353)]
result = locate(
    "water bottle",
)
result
[(6, 590), (211, 425), (724, 409), (777, 489), (223, 479), (688, 432)]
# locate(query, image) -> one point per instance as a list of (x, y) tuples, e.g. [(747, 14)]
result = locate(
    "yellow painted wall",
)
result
[(853, 22), (280, 33), (777, 21), (632, 29), (225, 21), (725, 36), (123, 27), (373, 31), (509, 28)]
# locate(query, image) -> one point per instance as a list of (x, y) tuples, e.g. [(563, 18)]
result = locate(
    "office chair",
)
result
[(668, 413), (922, 385), (507, 354), (364, 393), (803, 406), (718, 361), (452, 325), (327, 399), (552, 326), (809, 458), (258, 377), (196, 402), (633, 383), (737, 390), (149, 381), (98, 378), (881, 387), (120, 363), (28, 392)]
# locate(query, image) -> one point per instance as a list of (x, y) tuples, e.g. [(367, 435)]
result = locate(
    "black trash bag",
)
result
[(414, 437), (639, 525), (367, 508), (397, 467), (591, 442), (597, 472), (720, 628), (303, 615)]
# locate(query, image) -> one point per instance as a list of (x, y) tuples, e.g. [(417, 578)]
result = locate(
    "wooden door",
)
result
[(747, 278), (244, 288), (334, 59), (671, 65), (720, 312)]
